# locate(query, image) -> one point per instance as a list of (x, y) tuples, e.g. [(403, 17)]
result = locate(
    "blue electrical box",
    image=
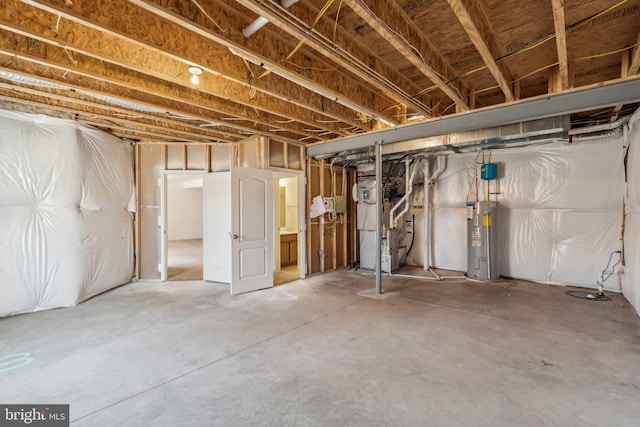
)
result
[(489, 171)]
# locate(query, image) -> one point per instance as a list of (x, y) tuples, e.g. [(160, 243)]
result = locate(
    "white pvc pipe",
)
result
[(321, 243), (261, 21), (408, 184), (439, 169), (254, 26)]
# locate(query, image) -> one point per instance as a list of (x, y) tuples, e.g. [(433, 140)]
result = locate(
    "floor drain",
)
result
[(591, 296)]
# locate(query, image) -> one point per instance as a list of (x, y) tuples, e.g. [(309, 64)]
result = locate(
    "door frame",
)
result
[(163, 220), (302, 225)]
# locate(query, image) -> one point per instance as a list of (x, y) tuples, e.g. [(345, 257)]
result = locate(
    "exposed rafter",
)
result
[(97, 79), (561, 42), (353, 98), (634, 65), (191, 44), (468, 22), (321, 70), (341, 57), (69, 103), (408, 51), (72, 36)]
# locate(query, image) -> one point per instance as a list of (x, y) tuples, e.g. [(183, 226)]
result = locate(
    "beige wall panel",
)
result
[(175, 157), (294, 157), (249, 154), (276, 154), (221, 158), (150, 172), (196, 159)]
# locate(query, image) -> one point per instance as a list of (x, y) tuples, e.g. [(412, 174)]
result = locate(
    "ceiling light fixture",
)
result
[(195, 72), (262, 21)]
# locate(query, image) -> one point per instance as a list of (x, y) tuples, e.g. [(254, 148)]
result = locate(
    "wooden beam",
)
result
[(624, 72), (342, 57), (401, 45), (123, 131), (132, 86), (72, 103), (472, 98), (634, 65), (366, 53), (561, 42), (553, 82), (193, 45), (75, 82), (470, 27), (32, 22), (328, 85)]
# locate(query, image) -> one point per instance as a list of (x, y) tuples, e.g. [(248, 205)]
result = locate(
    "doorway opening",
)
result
[(183, 226), (289, 222)]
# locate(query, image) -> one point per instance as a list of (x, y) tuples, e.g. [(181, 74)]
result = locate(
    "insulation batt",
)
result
[(66, 203), (631, 276), (561, 208)]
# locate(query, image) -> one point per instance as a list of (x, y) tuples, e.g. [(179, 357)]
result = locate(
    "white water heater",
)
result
[(483, 260)]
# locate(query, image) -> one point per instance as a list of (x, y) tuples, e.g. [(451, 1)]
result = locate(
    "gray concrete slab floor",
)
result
[(315, 353)]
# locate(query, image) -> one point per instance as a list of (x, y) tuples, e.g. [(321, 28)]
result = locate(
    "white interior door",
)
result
[(252, 202), (216, 227)]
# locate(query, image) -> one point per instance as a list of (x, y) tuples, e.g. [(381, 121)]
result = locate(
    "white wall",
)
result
[(291, 208), (184, 208), (631, 276), (560, 215), (66, 212)]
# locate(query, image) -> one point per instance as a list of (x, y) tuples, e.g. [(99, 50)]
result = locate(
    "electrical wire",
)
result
[(199, 6), (474, 179), (413, 234), (531, 46), (300, 67), (610, 273), (600, 55), (546, 67), (335, 25), (315, 21)]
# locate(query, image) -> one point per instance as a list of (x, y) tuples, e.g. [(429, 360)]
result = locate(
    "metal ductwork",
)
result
[(519, 134)]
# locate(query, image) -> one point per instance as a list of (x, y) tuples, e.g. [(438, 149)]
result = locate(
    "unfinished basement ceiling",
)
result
[(319, 70)]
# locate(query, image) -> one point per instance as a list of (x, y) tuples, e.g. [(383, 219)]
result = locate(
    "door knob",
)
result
[(235, 236)]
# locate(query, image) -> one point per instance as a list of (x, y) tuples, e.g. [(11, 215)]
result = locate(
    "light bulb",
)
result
[(195, 72)]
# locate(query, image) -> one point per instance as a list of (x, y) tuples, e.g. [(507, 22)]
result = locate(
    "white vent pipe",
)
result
[(441, 165), (262, 21), (408, 190)]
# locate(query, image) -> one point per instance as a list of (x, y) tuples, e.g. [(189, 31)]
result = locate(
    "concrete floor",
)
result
[(316, 353)]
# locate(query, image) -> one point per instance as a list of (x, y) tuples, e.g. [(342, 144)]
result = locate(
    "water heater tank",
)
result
[(483, 260)]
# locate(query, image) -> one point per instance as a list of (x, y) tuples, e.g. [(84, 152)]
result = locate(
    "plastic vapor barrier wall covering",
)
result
[(631, 276), (560, 210), (66, 203)]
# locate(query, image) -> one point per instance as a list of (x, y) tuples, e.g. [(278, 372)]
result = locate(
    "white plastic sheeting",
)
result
[(631, 276), (560, 215), (66, 197)]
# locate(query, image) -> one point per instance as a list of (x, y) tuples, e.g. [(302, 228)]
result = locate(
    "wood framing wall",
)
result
[(333, 241), (153, 159)]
